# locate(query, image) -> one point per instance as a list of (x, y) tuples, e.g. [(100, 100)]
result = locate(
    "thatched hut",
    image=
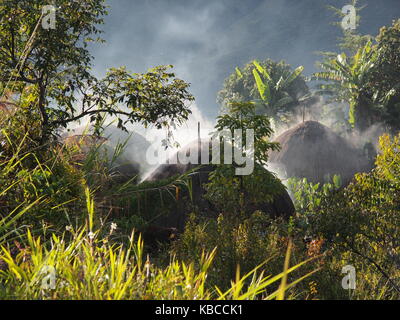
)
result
[(280, 206), (132, 160), (313, 151)]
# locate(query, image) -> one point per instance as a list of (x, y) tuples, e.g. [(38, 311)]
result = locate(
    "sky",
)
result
[(206, 39)]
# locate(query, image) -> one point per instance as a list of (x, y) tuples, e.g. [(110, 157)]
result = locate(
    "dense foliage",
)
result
[(48, 71), (282, 89), (367, 80)]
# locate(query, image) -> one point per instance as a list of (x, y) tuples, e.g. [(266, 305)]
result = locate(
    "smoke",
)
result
[(183, 136), (369, 136), (141, 140)]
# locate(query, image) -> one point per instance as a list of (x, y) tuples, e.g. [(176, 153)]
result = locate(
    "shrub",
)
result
[(239, 242), (361, 223), (26, 177)]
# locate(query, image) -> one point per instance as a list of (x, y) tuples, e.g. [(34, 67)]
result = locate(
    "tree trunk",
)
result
[(43, 113), (363, 115)]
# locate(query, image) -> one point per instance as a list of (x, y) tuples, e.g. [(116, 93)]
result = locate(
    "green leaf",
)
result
[(260, 85), (337, 181), (239, 73), (294, 75), (262, 70)]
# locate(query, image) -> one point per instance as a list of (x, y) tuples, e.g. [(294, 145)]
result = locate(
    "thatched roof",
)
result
[(314, 151), (169, 169), (84, 142), (123, 168), (134, 152), (281, 205), (8, 108)]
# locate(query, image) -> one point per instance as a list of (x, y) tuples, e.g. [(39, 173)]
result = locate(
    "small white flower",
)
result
[(91, 235)]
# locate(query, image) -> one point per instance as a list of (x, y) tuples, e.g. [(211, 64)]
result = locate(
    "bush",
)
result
[(246, 243), (361, 223), (27, 177)]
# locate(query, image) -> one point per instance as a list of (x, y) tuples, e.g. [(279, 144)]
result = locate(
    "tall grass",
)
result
[(9, 180), (82, 265)]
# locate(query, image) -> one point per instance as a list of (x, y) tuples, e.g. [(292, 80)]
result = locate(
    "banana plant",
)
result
[(273, 91), (348, 77)]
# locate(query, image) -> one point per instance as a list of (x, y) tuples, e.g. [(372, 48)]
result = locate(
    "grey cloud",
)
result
[(206, 39)]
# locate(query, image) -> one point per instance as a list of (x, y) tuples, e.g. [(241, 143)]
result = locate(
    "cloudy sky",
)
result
[(206, 39)]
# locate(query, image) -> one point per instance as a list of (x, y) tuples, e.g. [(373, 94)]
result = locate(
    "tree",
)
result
[(54, 64), (235, 194), (274, 94), (282, 88), (350, 44), (242, 115), (351, 41), (384, 85), (367, 80), (347, 78)]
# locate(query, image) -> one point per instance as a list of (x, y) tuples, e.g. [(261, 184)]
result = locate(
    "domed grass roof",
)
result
[(313, 151)]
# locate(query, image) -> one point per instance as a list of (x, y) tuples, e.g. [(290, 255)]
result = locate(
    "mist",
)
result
[(205, 40)]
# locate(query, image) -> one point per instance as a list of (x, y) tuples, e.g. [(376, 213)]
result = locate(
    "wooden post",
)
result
[(198, 143)]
